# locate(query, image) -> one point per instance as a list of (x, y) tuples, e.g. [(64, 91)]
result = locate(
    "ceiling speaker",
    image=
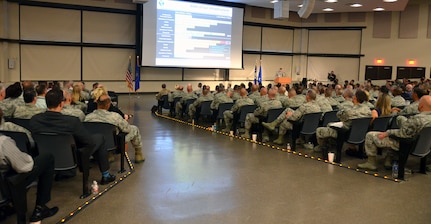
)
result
[(307, 8), (281, 9)]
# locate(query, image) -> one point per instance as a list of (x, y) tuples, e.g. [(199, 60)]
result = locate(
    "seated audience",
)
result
[(288, 116), (40, 169), (398, 100), (189, 95), (12, 99), (205, 96), (77, 99), (41, 90), (412, 108), (52, 121), (29, 109), (360, 109), (103, 115), (92, 104), (262, 111), (383, 106), (409, 127), (68, 109), (235, 109)]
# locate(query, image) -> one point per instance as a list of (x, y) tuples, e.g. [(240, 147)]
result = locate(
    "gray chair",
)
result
[(418, 146), (66, 155), (113, 141)]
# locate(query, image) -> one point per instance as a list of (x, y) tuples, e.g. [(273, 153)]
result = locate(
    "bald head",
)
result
[(189, 88), (272, 93), (425, 103), (282, 90)]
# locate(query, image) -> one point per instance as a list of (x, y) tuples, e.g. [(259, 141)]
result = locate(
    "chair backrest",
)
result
[(176, 100), (334, 107), (107, 130), (222, 108), (206, 108), (244, 111), (328, 117), (311, 122), (358, 130), (165, 100), (114, 97), (381, 123), (61, 146), (21, 140), (273, 114), (5, 196), (25, 123), (423, 143), (188, 103)]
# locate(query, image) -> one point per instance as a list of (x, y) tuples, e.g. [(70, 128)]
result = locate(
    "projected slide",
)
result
[(191, 33)]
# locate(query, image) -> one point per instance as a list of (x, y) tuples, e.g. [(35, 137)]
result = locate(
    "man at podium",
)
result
[(280, 73)]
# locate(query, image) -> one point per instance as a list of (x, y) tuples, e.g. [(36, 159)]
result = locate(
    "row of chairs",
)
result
[(67, 156)]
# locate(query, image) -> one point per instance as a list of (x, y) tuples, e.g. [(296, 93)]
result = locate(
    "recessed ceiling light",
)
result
[(379, 9), (355, 5), (390, 0), (328, 9), (331, 1), (274, 1), (300, 6)]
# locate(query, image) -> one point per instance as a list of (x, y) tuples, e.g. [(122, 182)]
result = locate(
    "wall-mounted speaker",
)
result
[(307, 8), (281, 9)]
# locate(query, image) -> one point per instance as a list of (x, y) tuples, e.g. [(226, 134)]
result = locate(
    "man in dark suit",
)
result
[(89, 144)]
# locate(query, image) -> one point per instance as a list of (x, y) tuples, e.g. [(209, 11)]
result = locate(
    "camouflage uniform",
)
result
[(307, 108), (332, 101), (220, 98), (80, 105), (228, 114), (9, 126), (282, 98), (294, 102), (198, 102), (323, 103), (408, 128), (254, 95), (236, 95), (398, 101), (69, 110), (27, 111), (8, 105), (113, 118), (261, 99), (346, 104), (175, 94), (183, 100), (370, 105), (162, 93), (262, 110), (345, 116), (339, 98), (413, 108)]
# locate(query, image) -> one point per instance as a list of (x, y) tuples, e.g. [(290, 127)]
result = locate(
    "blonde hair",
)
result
[(76, 93), (99, 92), (384, 104)]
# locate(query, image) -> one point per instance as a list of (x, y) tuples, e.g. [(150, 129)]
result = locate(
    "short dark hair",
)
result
[(14, 90), (40, 89), (29, 95), (361, 96), (163, 85), (53, 98), (420, 92)]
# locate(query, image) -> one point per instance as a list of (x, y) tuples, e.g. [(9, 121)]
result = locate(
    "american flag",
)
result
[(129, 78)]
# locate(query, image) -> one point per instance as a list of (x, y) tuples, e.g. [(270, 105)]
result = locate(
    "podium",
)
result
[(283, 80)]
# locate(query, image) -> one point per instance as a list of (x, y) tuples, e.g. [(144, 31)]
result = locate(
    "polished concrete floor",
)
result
[(195, 176)]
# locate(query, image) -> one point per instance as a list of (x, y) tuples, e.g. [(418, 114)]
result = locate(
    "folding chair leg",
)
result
[(404, 153), (423, 165)]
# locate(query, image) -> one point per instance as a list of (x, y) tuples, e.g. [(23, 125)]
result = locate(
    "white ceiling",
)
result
[(340, 6)]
